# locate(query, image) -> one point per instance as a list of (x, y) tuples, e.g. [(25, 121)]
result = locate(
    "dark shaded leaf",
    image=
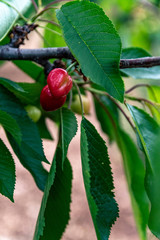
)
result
[(11, 86), (43, 130), (7, 170), (103, 118), (54, 213), (10, 125), (98, 180), (32, 69), (69, 128), (149, 134), (30, 153), (31, 94), (135, 174)]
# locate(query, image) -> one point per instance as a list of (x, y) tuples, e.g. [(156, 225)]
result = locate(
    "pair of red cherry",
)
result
[(54, 94)]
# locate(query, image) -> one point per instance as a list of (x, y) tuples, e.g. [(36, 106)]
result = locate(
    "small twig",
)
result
[(114, 101), (107, 112), (70, 99), (51, 30), (136, 86), (140, 62), (80, 98), (140, 100), (54, 2), (35, 5), (41, 12), (122, 111), (48, 21), (70, 66)]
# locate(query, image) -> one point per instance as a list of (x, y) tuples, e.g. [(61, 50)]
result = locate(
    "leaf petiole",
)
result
[(70, 66), (49, 29), (80, 98)]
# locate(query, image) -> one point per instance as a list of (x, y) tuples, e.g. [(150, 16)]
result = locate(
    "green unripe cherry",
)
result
[(33, 112), (76, 105)]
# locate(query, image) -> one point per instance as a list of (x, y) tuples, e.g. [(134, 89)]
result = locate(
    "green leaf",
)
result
[(95, 44), (7, 169), (43, 130), (134, 168), (53, 39), (149, 134), (28, 93), (31, 94), (10, 125), (8, 15), (31, 69), (55, 208), (68, 128), (103, 118), (135, 174), (139, 73), (154, 95), (11, 86), (98, 180), (30, 153)]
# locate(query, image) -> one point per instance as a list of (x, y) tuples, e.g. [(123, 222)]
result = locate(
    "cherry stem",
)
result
[(80, 98), (140, 100), (48, 21), (70, 99), (51, 30), (137, 86), (70, 66)]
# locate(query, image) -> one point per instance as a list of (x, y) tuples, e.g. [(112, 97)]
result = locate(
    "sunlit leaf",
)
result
[(8, 15), (94, 42)]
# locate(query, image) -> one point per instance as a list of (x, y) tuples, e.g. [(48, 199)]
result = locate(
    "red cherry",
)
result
[(50, 103), (59, 82)]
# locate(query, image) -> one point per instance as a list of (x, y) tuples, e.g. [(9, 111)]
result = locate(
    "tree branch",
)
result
[(9, 53), (140, 62)]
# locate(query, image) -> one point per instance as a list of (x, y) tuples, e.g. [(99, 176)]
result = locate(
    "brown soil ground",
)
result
[(18, 219)]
